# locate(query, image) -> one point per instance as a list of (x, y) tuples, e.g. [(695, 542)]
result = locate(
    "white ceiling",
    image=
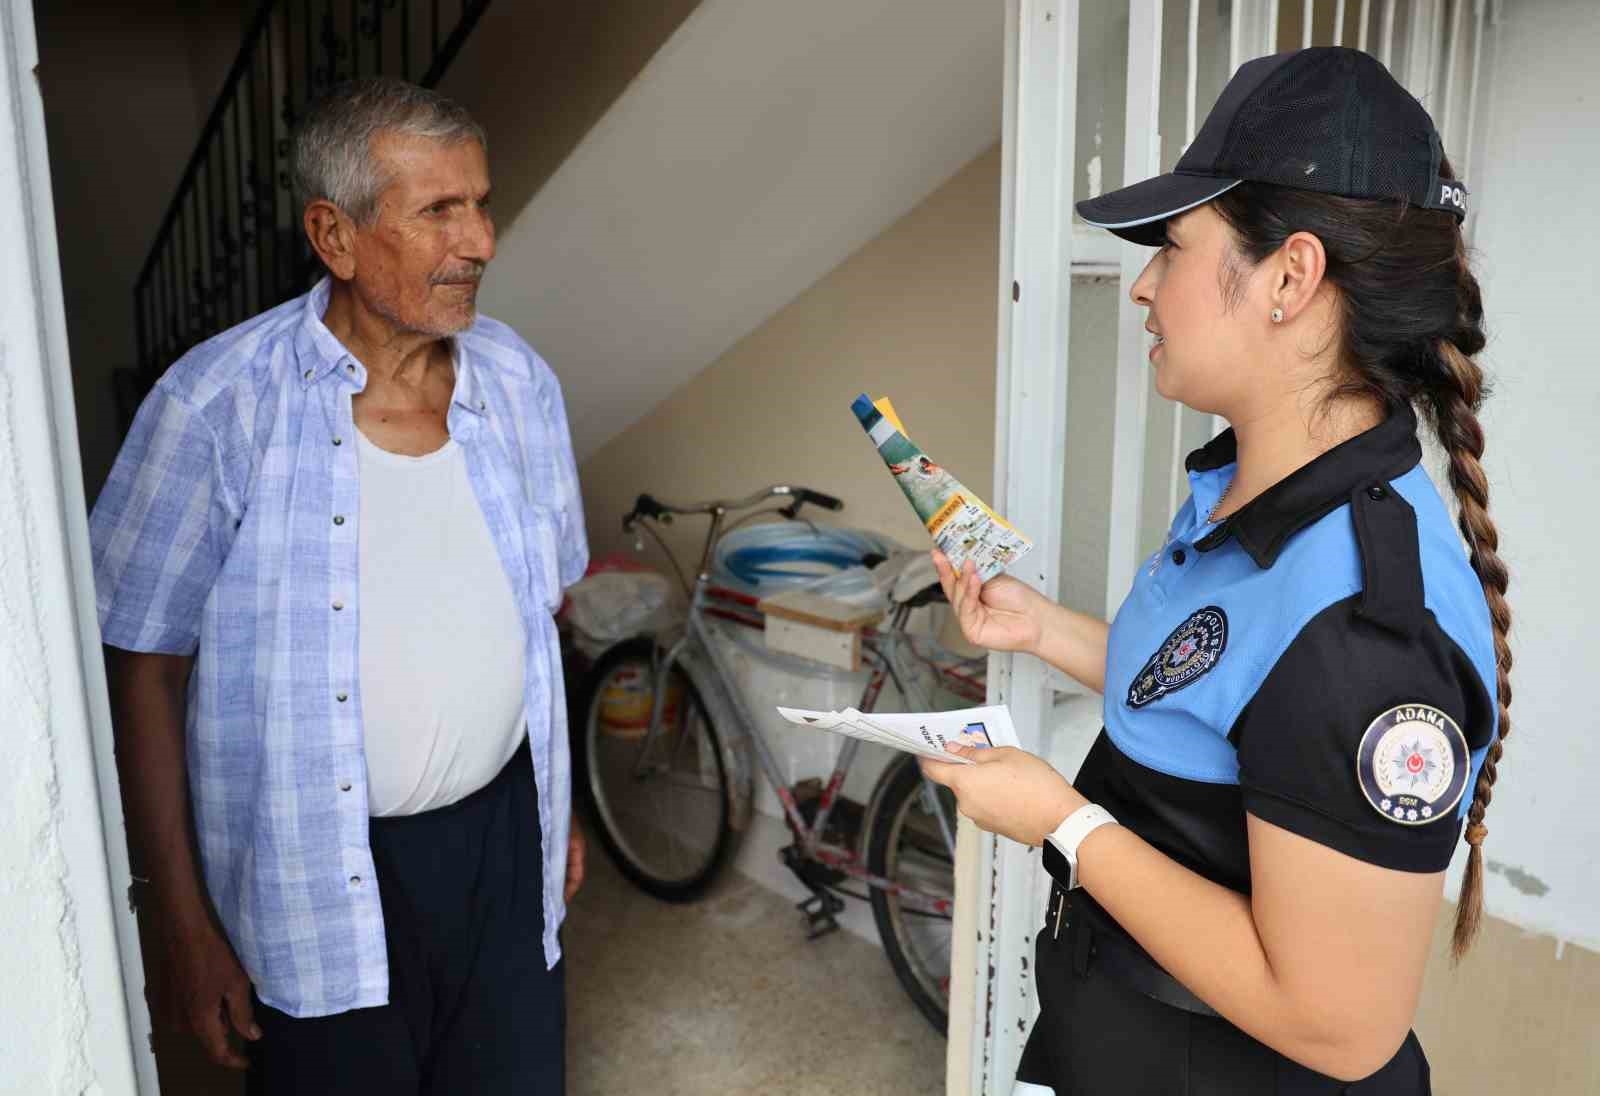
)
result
[(764, 143)]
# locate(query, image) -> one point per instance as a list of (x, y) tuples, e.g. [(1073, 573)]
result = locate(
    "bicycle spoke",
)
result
[(917, 857), (662, 810)]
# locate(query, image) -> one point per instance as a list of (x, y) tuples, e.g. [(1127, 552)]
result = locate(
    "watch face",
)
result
[(1057, 863)]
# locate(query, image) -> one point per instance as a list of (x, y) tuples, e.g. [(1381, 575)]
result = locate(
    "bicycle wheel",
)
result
[(662, 817), (906, 845)]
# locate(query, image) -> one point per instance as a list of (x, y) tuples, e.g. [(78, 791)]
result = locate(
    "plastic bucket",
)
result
[(626, 700)]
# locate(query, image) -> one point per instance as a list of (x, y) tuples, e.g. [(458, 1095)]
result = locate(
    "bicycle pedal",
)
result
[(819, 911)]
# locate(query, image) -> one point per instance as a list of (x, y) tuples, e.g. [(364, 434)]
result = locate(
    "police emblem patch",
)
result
[(1412, 764), (1193, 648)]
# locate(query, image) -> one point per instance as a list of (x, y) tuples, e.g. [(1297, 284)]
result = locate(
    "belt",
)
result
[(1094, 945)]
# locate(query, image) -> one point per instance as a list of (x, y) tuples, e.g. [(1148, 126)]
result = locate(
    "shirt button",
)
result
[(1376, 492), (349, 368), (338, 441), (338, 519), (355, 880), (309, 373), (338, 606), (345, 786), (1178, 557), (342, 697)]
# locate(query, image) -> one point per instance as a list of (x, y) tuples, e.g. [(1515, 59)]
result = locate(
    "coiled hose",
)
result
[(764, 559)]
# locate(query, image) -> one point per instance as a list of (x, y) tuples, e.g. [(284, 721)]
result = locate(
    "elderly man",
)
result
[(326, 562)]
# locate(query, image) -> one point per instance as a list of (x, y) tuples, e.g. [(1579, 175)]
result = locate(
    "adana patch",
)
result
[(1192, 649), (1412, 764)]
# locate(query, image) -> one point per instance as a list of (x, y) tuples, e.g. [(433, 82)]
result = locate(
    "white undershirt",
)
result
[(442, 646)]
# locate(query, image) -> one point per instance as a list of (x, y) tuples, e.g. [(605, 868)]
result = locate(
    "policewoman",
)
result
[(1305, 690)]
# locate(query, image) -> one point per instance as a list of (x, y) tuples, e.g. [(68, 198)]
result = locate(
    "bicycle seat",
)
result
[(926, 596), (909, 578)]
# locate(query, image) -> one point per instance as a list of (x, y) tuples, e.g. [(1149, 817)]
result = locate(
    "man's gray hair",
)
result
[(333, 143)]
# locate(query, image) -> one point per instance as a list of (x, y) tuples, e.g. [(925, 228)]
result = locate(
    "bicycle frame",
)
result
[(809, 837)]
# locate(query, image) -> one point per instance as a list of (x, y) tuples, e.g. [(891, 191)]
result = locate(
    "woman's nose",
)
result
[(1143, 290)]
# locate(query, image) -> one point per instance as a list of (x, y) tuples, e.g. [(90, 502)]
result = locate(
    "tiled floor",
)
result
[(726, 996)]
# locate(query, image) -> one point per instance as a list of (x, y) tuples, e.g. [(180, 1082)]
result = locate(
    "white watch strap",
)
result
[(1078, 825)]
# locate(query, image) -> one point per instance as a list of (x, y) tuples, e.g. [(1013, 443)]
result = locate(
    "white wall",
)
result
[(1537, 240), (765, 142), (64, 1012)]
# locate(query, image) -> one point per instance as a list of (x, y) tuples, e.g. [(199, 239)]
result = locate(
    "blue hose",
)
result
[(765, 559)]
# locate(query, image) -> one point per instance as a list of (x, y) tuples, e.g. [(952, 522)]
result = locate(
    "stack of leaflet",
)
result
[(922, 733)]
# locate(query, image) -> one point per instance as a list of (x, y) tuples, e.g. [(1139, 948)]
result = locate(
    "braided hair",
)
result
[(1412, 320)]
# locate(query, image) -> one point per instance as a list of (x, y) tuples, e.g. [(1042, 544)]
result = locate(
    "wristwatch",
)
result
[(1060, 850)]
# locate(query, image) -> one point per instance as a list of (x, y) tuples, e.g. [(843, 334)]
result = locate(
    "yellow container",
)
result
[(626, 700)]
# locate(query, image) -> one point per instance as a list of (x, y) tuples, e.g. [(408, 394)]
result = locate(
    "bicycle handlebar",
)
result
[(817, 498), (648, 506)]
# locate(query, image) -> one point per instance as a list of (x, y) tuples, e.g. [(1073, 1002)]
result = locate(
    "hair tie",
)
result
[(1476, 833)]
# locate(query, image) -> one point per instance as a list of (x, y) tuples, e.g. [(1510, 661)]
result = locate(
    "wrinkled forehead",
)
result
[(413, 164)]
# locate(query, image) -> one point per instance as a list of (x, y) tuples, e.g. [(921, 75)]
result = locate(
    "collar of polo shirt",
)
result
[(1266, 523)]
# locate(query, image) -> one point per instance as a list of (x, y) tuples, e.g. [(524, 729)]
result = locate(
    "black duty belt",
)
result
[(1091, 945)]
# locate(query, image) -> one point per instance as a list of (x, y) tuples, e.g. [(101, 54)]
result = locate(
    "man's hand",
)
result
[(577, 851), (200, 989), (1009, 791)]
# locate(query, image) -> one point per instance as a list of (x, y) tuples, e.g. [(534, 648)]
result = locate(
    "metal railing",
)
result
[(231, 243)]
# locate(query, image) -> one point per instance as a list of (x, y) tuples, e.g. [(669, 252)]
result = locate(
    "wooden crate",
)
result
[(812, 626)]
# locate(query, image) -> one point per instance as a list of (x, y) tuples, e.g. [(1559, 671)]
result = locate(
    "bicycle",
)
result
[(671, 793)]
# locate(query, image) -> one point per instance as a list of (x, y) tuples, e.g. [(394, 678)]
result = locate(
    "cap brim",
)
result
[(1139, 212)]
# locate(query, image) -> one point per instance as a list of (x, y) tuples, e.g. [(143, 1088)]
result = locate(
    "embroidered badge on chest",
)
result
[(1192, 649), (1412, 764)]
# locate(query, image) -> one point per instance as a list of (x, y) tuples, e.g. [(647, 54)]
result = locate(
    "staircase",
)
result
[(231, 244)]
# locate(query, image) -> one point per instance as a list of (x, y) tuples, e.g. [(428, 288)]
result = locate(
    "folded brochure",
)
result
[(920, 733), (961, 524)]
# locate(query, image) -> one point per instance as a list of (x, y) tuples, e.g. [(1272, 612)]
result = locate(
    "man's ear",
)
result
[(332, 236)]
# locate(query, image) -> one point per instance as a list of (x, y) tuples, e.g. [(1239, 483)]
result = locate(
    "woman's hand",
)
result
[(1002, 614), (1008, 791)]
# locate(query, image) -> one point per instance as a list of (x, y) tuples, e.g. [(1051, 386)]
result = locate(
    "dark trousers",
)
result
[(471, 1009), (1098, 1036)]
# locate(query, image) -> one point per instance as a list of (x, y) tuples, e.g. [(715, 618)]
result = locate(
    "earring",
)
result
[(1277, 315)]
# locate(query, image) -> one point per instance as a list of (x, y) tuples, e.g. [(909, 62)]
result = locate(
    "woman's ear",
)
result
[(332, 237), (1299, 267)]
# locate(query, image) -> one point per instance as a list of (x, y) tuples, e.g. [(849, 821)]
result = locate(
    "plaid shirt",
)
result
[(228, 529)]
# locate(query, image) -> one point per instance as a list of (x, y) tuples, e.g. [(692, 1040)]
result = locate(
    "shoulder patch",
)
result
[(1190, 651), (1412, 764)]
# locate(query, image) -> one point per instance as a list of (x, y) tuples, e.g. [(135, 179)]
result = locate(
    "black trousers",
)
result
[(1098, 1036), (471, 1009)]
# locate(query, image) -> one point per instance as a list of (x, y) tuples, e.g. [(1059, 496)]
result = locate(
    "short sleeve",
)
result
[(573, 539), (156, 554), (1364, 740)]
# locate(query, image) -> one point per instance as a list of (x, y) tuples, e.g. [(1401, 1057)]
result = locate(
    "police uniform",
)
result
[(1322, 659)]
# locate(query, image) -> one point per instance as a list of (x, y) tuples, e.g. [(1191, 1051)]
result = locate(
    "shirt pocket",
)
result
[(544, 560)]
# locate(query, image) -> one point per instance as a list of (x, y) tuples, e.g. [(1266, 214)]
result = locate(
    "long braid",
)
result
[(1455, 399)]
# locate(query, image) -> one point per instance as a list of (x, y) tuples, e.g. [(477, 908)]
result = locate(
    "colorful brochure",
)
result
[(961, 524)]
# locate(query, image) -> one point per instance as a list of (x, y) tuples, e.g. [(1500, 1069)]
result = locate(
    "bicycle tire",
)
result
[(895, 805), (610, 793)]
